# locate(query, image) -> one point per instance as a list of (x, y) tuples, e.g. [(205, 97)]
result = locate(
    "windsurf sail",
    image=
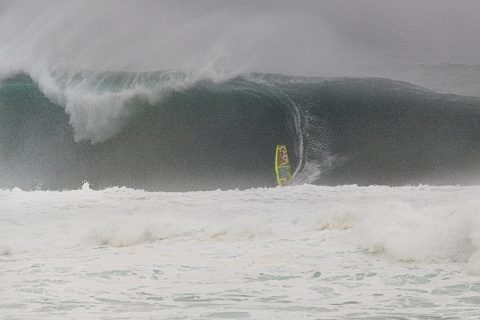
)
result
[(282, 165)]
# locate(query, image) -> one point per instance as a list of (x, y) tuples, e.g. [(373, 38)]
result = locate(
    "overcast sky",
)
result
[(296, 37)]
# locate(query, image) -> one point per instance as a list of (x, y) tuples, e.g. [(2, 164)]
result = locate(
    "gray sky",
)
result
[(295, 37)]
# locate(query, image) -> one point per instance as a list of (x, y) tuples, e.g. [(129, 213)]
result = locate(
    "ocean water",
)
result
[(299, 252), (171, 110), (380, 221), (163, 131)]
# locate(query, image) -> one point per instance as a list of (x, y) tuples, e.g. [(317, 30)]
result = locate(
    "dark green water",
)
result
[(223, 135)]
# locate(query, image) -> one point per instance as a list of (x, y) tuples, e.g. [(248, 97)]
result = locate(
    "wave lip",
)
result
[(101, 104)]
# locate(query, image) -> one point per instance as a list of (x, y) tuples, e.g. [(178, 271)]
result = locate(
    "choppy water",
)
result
[(304, 252)]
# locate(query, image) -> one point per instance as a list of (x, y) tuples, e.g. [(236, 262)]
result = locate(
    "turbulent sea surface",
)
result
[(227, 244), (301, 252)]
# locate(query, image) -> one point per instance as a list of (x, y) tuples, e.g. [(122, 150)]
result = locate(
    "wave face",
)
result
[(162, 131)]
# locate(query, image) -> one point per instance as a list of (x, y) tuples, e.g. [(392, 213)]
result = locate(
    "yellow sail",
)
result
[(282, 165)]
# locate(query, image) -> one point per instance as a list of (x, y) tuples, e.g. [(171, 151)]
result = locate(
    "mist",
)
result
[(311, 38)]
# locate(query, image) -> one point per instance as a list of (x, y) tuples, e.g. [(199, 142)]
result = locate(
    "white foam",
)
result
[(410, 223), (4, 249), (85, 186), (280, 247)]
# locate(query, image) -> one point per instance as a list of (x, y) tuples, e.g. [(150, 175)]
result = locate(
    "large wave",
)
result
[(172, 131)]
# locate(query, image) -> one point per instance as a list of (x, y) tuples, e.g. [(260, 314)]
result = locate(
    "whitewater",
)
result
[(266, 253)]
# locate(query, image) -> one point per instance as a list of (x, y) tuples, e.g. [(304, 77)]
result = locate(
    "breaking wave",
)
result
[(175, 131)]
